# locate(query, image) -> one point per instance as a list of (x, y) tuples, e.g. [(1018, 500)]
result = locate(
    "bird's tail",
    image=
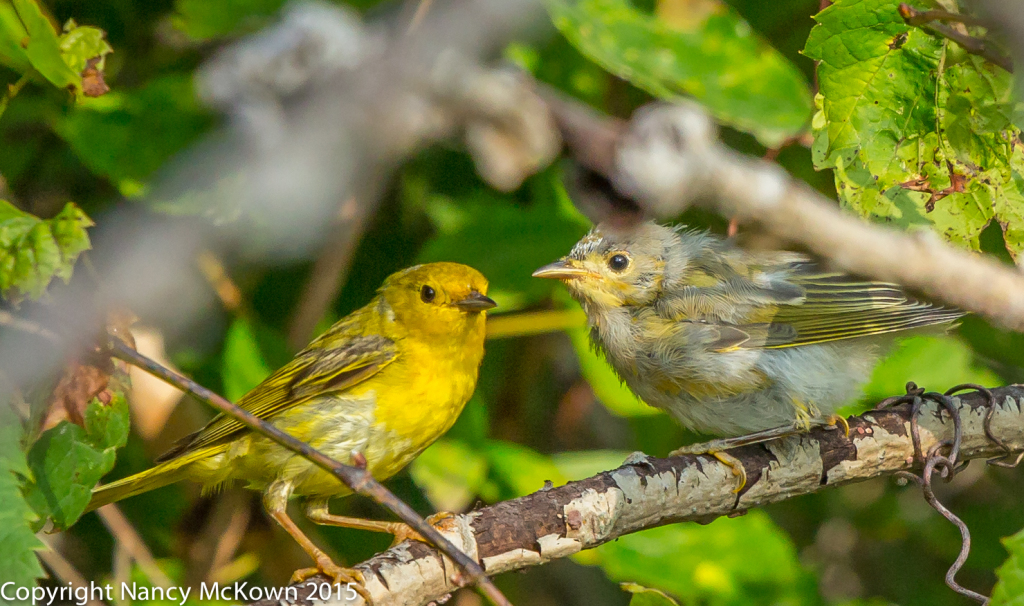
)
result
[(155, 477)]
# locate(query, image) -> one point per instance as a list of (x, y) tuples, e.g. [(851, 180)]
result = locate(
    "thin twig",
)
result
[(129, 539), (213, 270), (359, 480), (926, 20), (9, 319)]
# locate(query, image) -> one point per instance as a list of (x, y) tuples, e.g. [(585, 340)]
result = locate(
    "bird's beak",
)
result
[(562, 269), (476, 302)]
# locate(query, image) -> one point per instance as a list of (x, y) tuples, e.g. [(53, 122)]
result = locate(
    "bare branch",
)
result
[(558, 522), (926, 20)]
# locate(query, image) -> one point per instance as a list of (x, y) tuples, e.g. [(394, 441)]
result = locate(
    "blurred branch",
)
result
[(926, 20), (134, 546), (668, 157), (329, 272), (357, 479), (558, 522), (65, 571)]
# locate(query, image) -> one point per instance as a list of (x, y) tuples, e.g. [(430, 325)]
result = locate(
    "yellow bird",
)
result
[(379, 386)]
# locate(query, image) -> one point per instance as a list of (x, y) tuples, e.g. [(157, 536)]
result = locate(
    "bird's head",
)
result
[(438, 300), (613, 267)]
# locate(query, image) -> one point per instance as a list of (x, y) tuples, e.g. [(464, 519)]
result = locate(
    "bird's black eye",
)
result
[(427, 294), (618, 262)]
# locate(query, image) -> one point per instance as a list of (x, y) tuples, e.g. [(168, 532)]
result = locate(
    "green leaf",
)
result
[(718, 60), (243, 365), (43, 46), (915, 137), (18, 561), (936, 363), (12, 35), (34, 250), (1009, 590), (451, 474), (68, 460), (204, 20), (746, 560), (645, 596), (127, 136), (79, 44)]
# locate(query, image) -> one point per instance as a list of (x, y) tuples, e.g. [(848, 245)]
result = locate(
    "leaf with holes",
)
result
[(716, 58), (33, 250), (68, 460), (918, 135)]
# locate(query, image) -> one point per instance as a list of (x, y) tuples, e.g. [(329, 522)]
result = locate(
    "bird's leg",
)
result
[(717, 447), (317, 511), (275, 501)]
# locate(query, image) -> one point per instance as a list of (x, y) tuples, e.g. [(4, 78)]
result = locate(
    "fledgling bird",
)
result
[(376, 388), (730, 341)]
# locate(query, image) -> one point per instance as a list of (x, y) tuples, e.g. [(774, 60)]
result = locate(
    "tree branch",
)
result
[(668, 157), (926, 20), (558, 522)]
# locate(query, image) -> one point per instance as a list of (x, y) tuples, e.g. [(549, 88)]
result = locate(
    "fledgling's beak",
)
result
[(476, 302), (562, 269)]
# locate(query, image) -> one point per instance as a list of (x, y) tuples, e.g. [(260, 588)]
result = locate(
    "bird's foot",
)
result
[(837, 421), (404, 532), (350, 577), (716, 448)]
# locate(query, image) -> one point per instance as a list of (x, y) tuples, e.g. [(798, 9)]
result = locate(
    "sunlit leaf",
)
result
[(68, 460), (43, 46), (33, 250), (1009, 591), (12, 33), (716, 59), (645, 596), (916, 136)]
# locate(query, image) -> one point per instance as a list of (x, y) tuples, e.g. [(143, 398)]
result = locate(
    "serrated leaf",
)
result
[(42, 47), (1009, 590), (33, 250), (746, 560), (18, 561), (68, 460), (917, 135), (81, 43), (718, 60)]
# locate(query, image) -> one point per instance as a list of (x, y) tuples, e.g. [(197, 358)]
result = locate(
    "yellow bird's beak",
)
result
[(562, 269), (476, 302)]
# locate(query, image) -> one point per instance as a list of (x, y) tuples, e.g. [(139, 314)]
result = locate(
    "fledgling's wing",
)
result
[(837, 306), (336, 361)]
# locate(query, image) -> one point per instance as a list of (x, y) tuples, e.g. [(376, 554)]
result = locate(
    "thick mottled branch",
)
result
[(561, 521), (668, 157)]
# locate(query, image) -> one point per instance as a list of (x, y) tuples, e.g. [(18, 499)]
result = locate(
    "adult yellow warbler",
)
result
[(379, 386), (730, 341)]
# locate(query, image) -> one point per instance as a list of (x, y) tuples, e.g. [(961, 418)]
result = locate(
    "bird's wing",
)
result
[(332, 364), (837, 306)]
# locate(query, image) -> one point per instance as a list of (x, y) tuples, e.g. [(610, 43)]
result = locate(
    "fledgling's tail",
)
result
[(155, 477)]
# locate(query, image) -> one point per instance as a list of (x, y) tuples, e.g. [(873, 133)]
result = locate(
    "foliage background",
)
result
[(547, 408)]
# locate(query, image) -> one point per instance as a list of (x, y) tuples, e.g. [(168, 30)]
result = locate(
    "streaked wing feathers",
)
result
[(841, 307), (329, 367)]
